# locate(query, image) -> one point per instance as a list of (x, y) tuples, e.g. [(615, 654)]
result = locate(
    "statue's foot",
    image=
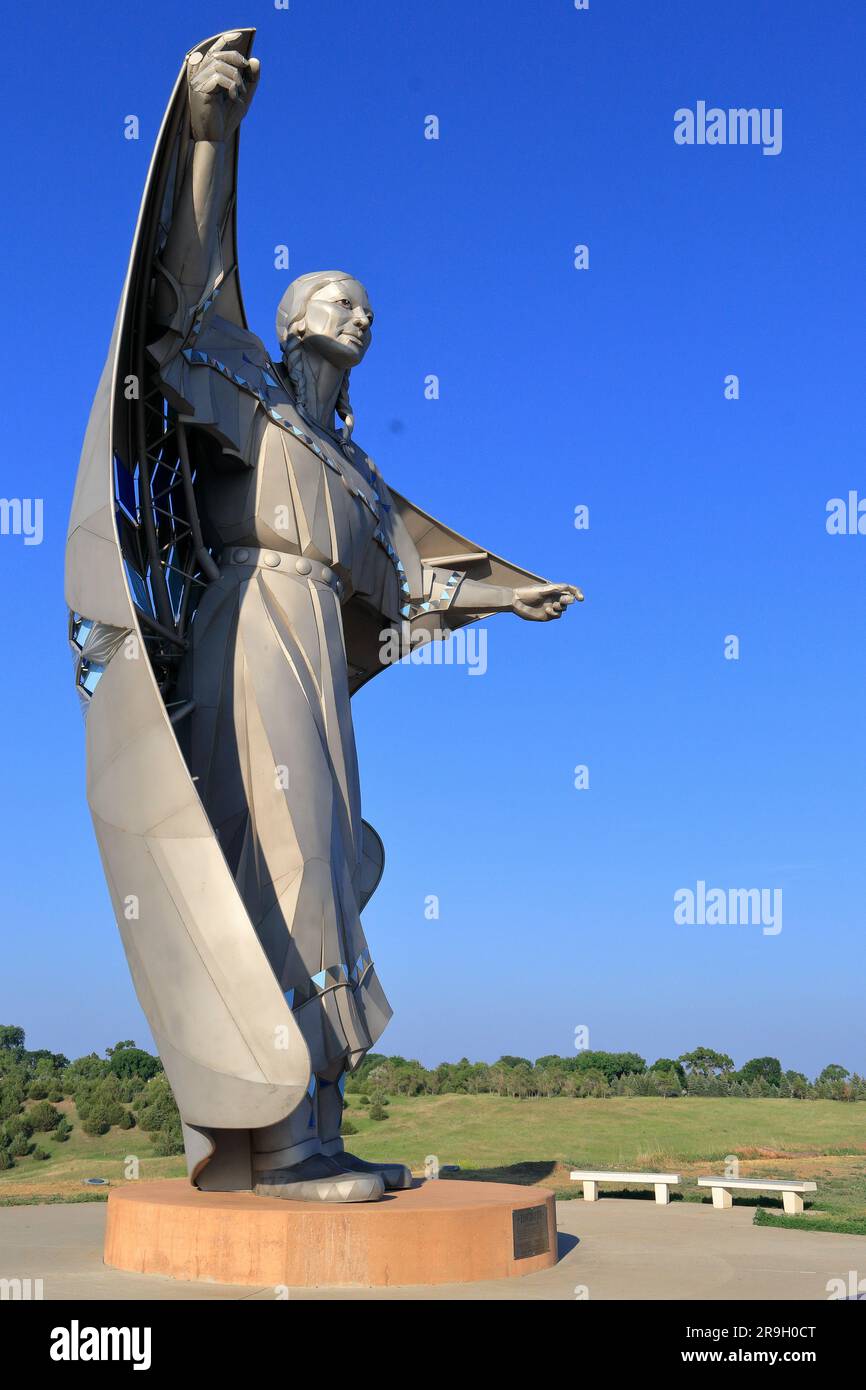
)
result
[(395, 1176), (320, 1179)]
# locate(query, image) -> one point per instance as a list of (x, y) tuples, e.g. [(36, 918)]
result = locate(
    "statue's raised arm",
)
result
[(220, 84)]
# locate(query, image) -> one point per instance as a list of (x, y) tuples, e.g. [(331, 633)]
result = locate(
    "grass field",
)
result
[(538, 1141), (541, 1140)]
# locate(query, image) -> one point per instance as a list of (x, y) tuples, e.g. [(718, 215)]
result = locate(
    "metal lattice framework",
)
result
[(167, 563)]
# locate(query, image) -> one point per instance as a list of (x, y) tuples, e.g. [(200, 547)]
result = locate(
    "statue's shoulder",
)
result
[(218, 376), (221, 341)]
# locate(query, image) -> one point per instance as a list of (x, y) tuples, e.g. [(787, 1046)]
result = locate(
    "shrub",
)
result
[(40, 1153), (131, 1088), (167, 1142), (100, 1115), (19, 1124), (43, 1117), (6, 1159), (99, 1106), (95, 1124), (11, 1097), (20, 1146), (378, 1111), (155, 1107), (128, 1121), (158, 1115), (348, 1128)]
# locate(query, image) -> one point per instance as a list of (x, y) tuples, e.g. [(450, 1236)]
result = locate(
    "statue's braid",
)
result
[(345, 412), (292, 356)]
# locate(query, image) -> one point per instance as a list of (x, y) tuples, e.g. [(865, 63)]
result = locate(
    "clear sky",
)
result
[(558, 387)]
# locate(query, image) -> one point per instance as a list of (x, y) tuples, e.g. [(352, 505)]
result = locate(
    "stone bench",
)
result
[(792, 1199), (590, 1177)]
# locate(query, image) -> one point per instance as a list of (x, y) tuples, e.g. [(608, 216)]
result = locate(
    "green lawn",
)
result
[(539, 1140), (481, 1131)]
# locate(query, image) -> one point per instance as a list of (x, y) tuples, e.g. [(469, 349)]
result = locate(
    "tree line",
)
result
[(593, 1074)]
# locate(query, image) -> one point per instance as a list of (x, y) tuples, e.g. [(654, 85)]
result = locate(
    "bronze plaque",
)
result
[(531, 1235)]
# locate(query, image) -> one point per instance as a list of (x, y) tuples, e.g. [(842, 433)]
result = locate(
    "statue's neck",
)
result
[(322, 381)]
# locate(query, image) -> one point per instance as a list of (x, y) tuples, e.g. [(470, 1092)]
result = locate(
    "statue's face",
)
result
[(338, 318)]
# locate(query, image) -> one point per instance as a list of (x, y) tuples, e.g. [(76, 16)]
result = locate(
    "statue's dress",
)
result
[(303, 527)]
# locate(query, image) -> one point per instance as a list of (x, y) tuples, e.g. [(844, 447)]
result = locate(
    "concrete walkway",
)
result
[(611, 1249)]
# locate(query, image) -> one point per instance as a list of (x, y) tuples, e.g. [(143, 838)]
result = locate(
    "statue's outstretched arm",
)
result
[(535, 602), (436, 563), (220, 88)]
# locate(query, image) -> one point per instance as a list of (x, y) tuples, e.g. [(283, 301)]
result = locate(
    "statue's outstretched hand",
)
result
[(539, 603), (221, 85)]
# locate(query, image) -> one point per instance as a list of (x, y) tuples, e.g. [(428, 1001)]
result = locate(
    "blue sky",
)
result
[(558, 387)]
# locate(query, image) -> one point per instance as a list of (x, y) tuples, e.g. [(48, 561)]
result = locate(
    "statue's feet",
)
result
[(320, 1179), (395, 1176)]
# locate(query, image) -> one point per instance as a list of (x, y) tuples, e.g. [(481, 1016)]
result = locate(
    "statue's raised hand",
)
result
[(221, 85), (539, 603)]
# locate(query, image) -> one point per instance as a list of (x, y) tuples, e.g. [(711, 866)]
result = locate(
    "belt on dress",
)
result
[(300, 565)]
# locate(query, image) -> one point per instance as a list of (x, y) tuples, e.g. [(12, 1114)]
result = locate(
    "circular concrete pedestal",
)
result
[(437, 1232)]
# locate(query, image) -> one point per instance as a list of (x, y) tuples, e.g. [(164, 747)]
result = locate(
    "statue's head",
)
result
[(326, 313)]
